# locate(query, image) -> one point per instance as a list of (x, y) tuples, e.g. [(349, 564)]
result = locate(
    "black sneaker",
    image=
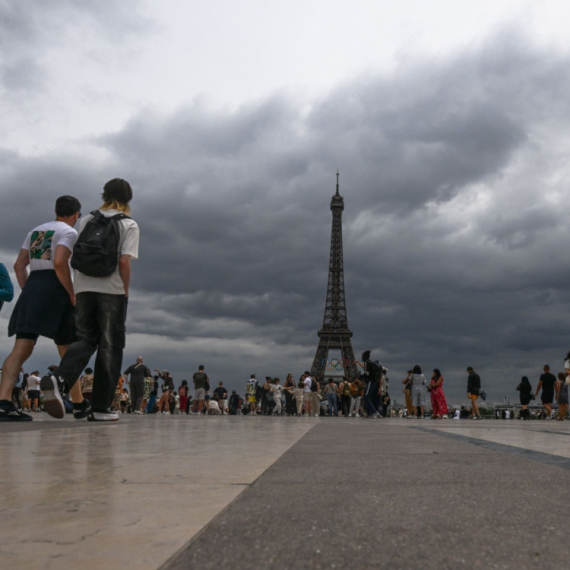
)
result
[(82, 410), (53, 402), (102, 416), (9, 413)]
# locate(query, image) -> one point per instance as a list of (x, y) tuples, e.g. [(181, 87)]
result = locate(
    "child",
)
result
[(298, 397), (124, 400)]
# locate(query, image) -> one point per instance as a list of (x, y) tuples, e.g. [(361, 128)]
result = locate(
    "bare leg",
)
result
[(22, 350)]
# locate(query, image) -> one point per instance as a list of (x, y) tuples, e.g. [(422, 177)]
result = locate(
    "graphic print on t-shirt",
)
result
[(40, 245)]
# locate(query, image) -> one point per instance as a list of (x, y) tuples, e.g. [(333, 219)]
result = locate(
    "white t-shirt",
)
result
[(128, 245), (307, 381), (42, 242), (33, 382)]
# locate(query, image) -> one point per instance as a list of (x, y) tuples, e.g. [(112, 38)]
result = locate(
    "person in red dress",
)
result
[(183, 393), (438, 402)]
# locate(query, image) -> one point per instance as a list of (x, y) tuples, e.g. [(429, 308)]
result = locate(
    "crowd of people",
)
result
[(85, 315), (141, 391)]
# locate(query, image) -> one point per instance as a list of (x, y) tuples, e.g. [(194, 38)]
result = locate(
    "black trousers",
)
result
[(345, 405), (100, 327)]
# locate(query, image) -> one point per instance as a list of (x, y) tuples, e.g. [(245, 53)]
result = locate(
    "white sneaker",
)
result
[(138, 412)]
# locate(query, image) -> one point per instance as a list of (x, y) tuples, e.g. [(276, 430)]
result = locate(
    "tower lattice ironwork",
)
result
[(335, 334)]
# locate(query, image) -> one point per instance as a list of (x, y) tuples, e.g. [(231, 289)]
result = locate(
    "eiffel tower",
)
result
[(335, 334)]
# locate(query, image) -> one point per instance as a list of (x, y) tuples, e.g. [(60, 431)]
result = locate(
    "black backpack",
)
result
[(96, 251)]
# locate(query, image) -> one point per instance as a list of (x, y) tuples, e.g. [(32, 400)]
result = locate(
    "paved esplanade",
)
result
[(287, 492)]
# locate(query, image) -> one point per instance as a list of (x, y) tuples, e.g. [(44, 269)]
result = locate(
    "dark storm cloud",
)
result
[(455, 237)]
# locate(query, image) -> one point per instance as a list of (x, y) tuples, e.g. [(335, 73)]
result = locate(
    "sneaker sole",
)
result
[(91, 418), (53, 403), (8, 418)]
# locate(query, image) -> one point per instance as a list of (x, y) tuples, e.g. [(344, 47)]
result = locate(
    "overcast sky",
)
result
[(449, 124)]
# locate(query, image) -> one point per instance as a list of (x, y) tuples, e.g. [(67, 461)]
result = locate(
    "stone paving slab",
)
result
[(132, 493), (396, 494)]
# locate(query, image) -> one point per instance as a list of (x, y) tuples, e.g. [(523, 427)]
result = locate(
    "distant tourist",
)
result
[(299, 396), (307, 381), (138, 372), (222, 397), (276, 392), (251, 393), (407, 391), (473, 391), (344, 392), (419, 390), (356, 391), (288, 389), (201, 385), (331, 392), (561, 396), (546, 384), (438, 402), (525, 395), (183, 396), (33, 391)]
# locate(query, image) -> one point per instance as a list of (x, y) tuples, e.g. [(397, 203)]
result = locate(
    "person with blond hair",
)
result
[(102, 287)]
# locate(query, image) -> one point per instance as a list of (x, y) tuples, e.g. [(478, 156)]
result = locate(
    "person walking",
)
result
[(407, 391), (345, 399), (102, 287), (276, 392), (200, 380), (138, 372), (473, 391), (438, 401), (331, 392), (45, 305), (546, 383), (561, 396), (418, 382), (525, 396), (288, 389)]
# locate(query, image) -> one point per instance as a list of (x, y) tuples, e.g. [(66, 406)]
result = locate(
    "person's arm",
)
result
[(61, 266), (538, 388), (6, 287), (125, 272), (21, 267)]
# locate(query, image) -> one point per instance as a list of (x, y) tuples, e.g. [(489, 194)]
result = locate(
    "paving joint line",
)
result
[(538, 456)]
